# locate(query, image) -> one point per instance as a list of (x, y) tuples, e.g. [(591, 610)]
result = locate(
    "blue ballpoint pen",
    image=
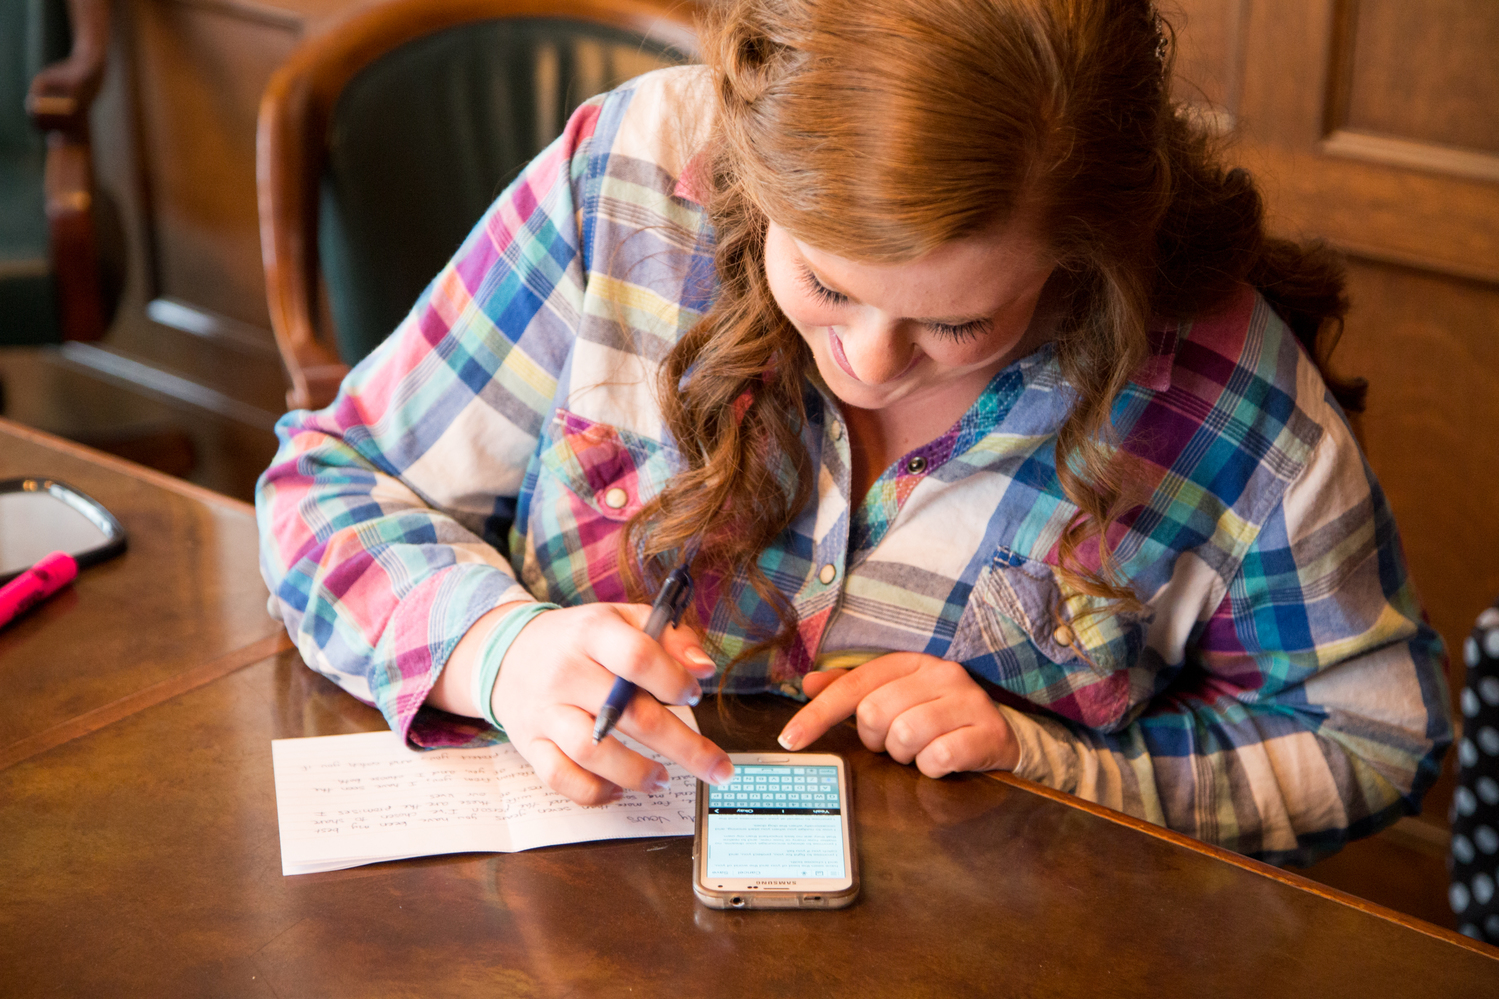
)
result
[(675, 595)]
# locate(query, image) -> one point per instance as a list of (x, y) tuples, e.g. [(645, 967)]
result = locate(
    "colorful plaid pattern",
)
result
[(1281, 694)]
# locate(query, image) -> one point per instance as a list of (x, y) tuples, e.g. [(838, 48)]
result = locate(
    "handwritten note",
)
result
[(347, 800)]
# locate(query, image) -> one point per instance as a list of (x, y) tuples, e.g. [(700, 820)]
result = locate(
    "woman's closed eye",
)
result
[(821, 291), (953, 331), (960, 331)]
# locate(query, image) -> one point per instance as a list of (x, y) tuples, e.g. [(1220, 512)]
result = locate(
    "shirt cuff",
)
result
[(1044, 758)]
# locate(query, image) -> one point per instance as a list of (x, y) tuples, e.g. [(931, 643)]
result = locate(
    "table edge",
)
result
[(1242, 862), (125, 466)]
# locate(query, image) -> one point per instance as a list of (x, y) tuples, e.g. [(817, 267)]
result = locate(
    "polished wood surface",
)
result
[(145, 861), (186, 593), (141, 850)]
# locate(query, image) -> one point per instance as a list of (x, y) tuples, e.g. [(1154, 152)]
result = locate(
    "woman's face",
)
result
[(888, 333)]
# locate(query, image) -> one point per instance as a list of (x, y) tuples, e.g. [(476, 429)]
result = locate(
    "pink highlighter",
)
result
[(36, 584)]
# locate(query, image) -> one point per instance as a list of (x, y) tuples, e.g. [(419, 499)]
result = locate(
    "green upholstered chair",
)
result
[(382, 141), (51, 63)]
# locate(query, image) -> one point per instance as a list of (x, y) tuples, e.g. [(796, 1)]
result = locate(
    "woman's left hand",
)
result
[(912, 706)]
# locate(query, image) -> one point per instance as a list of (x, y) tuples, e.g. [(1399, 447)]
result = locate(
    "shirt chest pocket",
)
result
[(1026, 631), (592, 478)]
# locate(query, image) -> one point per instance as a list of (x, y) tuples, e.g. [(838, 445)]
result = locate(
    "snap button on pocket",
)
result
[(828, 574), (616, 498)]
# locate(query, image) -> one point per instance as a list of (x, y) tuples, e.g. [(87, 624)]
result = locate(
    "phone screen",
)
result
[(776, 822)]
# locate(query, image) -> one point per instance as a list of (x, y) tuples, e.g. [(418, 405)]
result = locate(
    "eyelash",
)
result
[(826, 295)]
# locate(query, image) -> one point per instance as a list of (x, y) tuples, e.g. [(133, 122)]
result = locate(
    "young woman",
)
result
[(998, 416)]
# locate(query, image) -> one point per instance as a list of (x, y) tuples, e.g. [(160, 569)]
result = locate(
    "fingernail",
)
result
[(658, 782), (791, 737), (721, 774), (614, 796), (699, 663), (695, 695)]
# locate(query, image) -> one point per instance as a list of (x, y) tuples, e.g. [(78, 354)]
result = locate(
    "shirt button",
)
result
[(836, 430), (616, 498), (916, 465), (1063, 635), (828, 574)]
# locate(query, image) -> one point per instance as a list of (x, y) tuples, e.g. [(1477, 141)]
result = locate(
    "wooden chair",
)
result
[(381, 142), (52, 52)]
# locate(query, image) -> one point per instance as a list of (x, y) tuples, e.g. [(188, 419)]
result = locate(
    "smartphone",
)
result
[(780, 835)]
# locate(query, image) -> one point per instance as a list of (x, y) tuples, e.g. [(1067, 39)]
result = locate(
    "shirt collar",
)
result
[(692, 183)]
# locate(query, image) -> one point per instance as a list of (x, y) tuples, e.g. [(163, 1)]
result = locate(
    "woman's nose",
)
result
[(877, 352)]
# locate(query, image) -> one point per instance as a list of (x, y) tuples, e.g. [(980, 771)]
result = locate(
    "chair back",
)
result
[(383, 141)]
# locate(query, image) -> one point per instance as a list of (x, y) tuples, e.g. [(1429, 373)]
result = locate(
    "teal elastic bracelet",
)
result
[(493, 652)]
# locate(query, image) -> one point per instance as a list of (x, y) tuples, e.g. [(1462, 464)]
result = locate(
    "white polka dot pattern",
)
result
[(1474, 861), (1488, 689)]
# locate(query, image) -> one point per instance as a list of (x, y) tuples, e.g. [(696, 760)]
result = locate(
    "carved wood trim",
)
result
[(1467, 164), (1339, 93), (1448, 225), (291, 136)]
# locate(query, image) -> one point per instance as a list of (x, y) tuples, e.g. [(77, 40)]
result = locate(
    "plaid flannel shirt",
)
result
[(1281, 694)]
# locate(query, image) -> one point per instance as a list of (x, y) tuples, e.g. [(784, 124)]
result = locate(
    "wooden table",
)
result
[(183, 605), (141, 857)]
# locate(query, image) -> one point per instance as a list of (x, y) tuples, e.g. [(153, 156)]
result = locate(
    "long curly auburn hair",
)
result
[(881, 129)]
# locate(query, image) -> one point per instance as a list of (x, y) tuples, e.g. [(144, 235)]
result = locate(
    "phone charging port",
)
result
[(811, 899), (737, 901)]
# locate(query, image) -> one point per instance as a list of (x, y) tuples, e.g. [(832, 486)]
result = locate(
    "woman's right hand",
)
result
[(559, 670)]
